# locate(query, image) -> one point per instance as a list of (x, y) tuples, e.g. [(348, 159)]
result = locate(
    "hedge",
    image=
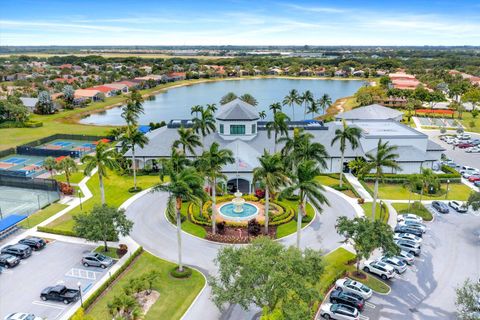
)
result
[(90, 300), (69, 233), (187, 272)]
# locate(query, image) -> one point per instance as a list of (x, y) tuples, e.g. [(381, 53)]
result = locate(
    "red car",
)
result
[(474, 178), (464, 145)]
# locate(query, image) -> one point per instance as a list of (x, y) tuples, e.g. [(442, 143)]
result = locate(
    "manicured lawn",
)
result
[(467, 118), (370, 281), (333, 181), (116, 192), (176, 295), (328, 180), (42, 215), (335, 266), (112, 252), (291, 226), (457, 191), (367, 207), (415, 208)]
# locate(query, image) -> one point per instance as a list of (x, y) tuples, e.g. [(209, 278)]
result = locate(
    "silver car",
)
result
[(406, 257), (398, 265), (95, 259), (408, 246), (407, 236)]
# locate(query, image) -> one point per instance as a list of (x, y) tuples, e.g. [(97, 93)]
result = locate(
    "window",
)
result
[(237, 129), (254, 128), (221, 128)]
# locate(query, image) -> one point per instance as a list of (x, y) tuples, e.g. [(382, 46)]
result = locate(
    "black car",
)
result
[(8, 261), (34, 243), (348, 298), (20, 250), (408, 229), (60, 293), (440, 207)]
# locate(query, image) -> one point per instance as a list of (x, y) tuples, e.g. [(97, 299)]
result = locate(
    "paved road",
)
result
[(157, 235)]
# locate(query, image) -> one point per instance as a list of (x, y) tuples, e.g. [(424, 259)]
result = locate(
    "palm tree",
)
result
[(262, 115), (213, 161), (50, 164), (314, 108), (212, 107), (132, 138), (427, 178), (272, 175), (412, 183), (275, 107), (307, 99), (188, 140), (104, 158), (308, 188), (325, 102), (384, 158), (205, 124), (184, 185), (69, 166), (228, 97), (300, 148), (136, 101), (348, 134), (248, 98), (279, 126), (196, 109), (291, 100)]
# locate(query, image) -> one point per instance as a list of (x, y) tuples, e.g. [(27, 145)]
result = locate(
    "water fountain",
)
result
[(238, 202), (238, 209)]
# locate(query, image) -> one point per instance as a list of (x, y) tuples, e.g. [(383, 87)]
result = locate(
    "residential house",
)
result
[(120, 87), (30, 103), (86, 94)]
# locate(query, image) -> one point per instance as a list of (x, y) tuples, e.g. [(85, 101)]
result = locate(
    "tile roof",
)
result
[(237, 110)]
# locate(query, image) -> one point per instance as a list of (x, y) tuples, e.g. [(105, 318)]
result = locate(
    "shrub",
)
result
[(360, 201), (33, 124), (66, 189), (249, 197), (186, 273), (221, 227), (69, 233), (134, 190), (122, 249), (254, 228), (226, 238), (260, 193)]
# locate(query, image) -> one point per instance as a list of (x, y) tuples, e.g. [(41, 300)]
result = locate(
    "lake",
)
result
[(175, 103)]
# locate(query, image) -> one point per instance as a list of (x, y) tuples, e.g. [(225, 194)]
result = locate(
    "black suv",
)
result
[(8, 261), (348, 298), (408, 229), (20, 250), (34, 243)]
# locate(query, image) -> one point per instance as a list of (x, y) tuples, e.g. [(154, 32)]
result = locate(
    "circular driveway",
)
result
[(158, 236)]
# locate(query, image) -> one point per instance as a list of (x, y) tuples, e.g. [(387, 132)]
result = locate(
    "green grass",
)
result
[(367, 207), (112, 252), (328, 180), (42, 215), (415, 208), (335, 266), (116, 192), (391, 191), (291, 226), (370, 281), (467, 118), (75, 177), (176, 295)]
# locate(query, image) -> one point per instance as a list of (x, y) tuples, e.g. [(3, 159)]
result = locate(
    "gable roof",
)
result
[(373, 111), (237, 110)]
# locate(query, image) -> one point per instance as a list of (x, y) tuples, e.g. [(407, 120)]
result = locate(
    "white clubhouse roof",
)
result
[(237, 110), (371, 112)]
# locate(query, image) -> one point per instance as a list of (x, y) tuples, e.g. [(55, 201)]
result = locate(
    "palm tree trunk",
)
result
[(421, 193), (134, 165), (293, 112), (267, 207), (179, 240), (214, 206), (375, 195), (341, 170), (102, 190), (67, 176), (299, 222), (275, 144)]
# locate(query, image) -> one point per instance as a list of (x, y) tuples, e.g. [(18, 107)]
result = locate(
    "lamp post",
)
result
[(79, 284), (38, 201), (446, 193), (381, 211), (80, 198)]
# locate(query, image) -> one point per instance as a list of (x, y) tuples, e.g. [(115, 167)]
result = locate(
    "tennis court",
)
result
[(69, 145), (24, 201), (23, 165)]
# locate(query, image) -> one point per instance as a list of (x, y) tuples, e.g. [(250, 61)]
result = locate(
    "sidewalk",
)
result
[(358, 187)]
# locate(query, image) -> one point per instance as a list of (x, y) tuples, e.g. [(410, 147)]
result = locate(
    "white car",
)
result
[(458, 206), (409, 246), (467, 169), (473, 150), (339, 311), (22, 316), (409, 216), (407, 236), (408, 258), (381, 269), (397, 264), (468, 174), (349, 285)]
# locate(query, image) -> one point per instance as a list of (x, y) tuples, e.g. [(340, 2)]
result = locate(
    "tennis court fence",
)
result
[(30, 183)]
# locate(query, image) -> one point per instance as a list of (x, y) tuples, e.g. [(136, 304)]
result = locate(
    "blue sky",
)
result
[(238, 22)]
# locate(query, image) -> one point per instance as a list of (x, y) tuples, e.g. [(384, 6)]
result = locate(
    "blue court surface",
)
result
[(24, 165), (10, 221)]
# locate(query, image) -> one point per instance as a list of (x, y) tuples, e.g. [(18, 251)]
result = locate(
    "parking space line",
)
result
[(82, 274), (398, 276), (5, 271), (370, 305), (363, 317), (49, 305), (88, 287)]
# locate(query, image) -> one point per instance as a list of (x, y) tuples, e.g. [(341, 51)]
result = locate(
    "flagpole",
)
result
[(238, 159)]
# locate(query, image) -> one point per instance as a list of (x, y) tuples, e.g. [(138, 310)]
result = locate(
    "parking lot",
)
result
[(58, 263)]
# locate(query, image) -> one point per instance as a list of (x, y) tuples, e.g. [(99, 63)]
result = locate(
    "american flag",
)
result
[(242, 164)]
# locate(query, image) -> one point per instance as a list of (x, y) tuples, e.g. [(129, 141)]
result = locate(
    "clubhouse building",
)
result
[(238, 128)]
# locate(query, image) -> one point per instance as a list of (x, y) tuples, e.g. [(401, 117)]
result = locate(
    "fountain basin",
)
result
[(228, 212)]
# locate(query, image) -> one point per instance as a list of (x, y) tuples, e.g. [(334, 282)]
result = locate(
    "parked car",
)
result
[(409, 216), (475, 142), (408, 246), (60, 293), (477, 183), (8, 260), (349, 285), (475, 177), (458, 206), (440, 207), (397, 264), (406, 257), (468, 174), (379, 268), (451, 164), (464, 136), (407, 236), (464, 145), (475, 149), (95, 259), (408, 229), (22, 316), (34, 242), (464, 169), (339, 311), (20, 250), (414, 224), (348, 298)]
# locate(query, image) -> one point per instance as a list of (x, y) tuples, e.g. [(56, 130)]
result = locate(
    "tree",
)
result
[(366, 236), (196, 109), (383, 158), (278, 126), (367, 95), (262, 114), (307, 99), (275, 107), (325, 102), (45, 103), (68, 95), (472, 96), (185, 185), (300, 148), (272, 175), (314, 108), (103, 159), (188, 140), (134, 138), (292, 99), (248, 98), (474, 200), (150, 278), (427, 178), (205, 124), (228, 98), (133, 108), (271, 288), (347, 134), (305, 184), (12, 109), (103, 223), (69, 166), (50, 164), (124, 307), (467, 301), (213, 161)]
